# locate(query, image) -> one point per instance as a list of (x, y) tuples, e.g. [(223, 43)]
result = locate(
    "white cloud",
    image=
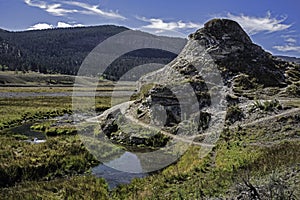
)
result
[(39, 4), (286, 48), (41, 26), (66, 25), (94, 10), (60, 9), (254, 25), (290, 40), (290, 44), (160, 25), (57, 10), (54, 9)]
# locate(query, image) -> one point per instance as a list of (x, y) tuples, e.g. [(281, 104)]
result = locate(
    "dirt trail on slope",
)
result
[(190, 139), (264, 119), (124, 106), (175, 137)]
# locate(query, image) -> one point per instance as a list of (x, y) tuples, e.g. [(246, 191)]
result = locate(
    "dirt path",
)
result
[(190, 139), (270, 144), (264, 119), (175, 137), (124, 106)]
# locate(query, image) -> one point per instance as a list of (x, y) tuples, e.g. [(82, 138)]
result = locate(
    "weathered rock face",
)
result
[(221, 29), (233, 51), (195, 86), (220, 54)]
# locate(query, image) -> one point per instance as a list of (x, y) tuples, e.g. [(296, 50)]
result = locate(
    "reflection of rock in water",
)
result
[(115, 177), (128, 162), (129, 166), (156, 160), (25, 130)]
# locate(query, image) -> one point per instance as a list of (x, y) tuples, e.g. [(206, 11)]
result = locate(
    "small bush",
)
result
[(144, 90), (293, 89), (233, 114), (266, 106)]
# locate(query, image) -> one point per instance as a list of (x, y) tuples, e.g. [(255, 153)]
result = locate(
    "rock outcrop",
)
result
[(233, 51), (190, 94)]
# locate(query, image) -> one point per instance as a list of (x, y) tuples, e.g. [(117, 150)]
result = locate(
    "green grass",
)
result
[(16, 110), (56, 157), (59, 156), (234, 113), (49, 89), (144, 90), (193, 177), (266, 105), (50, 170), (77, 187), (213, 176)]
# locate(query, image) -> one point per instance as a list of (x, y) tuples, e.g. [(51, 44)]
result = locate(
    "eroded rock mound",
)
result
[(234, 52), (190, 94)]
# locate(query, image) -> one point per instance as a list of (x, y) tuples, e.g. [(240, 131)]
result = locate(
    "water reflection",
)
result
[(128, 161), (25, 129)]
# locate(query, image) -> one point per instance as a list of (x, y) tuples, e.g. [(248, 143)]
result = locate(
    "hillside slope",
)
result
[(290, 59), (234, 102), (63, 50)]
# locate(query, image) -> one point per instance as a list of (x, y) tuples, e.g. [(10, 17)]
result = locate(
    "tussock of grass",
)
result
[(57, 157), (77, 187), (193, 177), (14, 111)]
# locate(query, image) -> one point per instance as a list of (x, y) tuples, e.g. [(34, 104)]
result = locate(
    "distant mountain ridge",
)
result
[(290, 59), (62, 50)]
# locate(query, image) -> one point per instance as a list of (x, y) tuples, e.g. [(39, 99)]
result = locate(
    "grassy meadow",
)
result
[(262, 159), (53, 169)]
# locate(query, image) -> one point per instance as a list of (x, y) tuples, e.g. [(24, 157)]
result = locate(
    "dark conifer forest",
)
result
[(62, 50)]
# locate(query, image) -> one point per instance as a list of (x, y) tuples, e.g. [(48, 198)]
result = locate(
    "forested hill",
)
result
[(63, 50)]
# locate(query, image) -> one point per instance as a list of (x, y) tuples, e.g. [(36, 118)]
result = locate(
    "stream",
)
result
[(127, 160), (24, 129)]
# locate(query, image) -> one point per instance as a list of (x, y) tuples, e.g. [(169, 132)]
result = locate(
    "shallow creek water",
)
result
[(127, 160)]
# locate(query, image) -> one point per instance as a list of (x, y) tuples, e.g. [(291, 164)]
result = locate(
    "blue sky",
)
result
[(275, 25)]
